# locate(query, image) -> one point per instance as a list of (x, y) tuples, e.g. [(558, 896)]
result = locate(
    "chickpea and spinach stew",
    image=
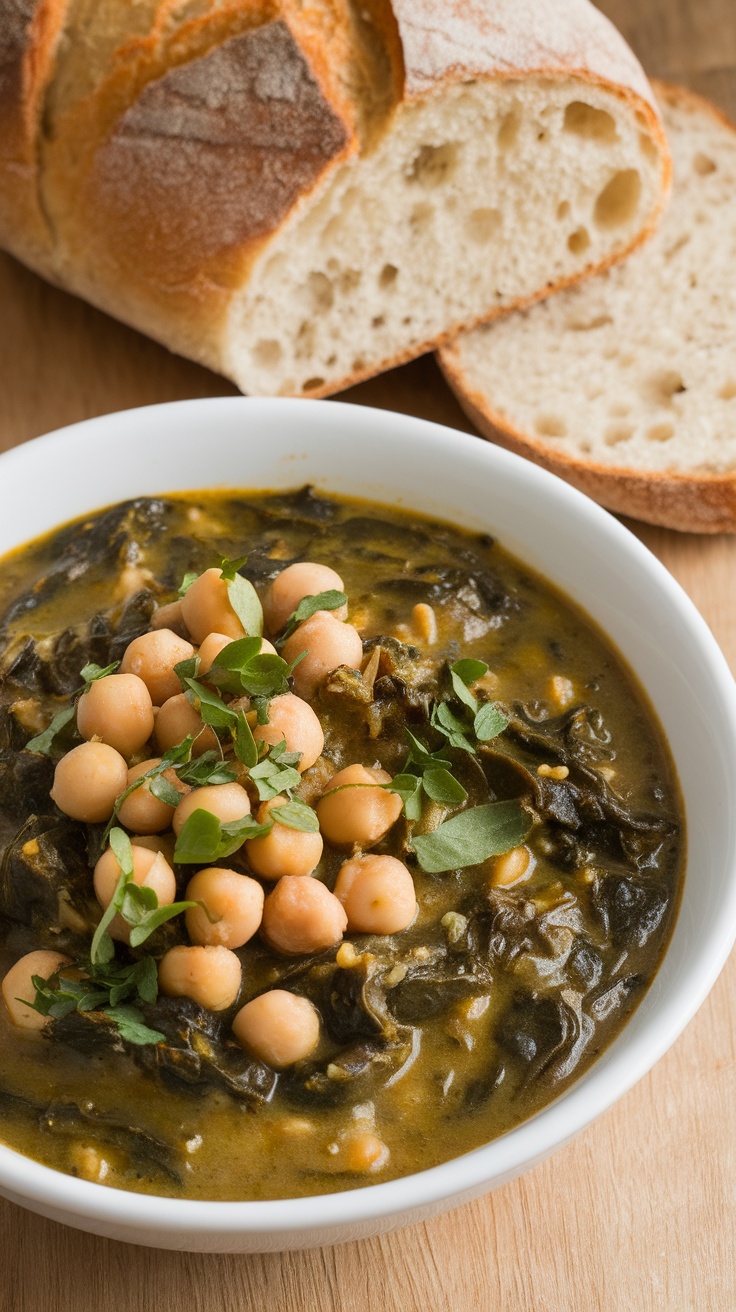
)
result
[(334, 843)]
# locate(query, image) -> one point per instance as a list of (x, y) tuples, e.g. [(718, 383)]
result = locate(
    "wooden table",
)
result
[(639, 1215)]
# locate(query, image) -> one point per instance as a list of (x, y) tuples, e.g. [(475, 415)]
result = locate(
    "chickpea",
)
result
[(328, 643), (206, 608), (149, 868), (152, 657), (304, 579), (170, 617), (361, 1153), (282, 851), (377, 893), (214, 643), (360, 811), (278, 1027), (209, 975), (176, 719), (301, 916), (227, 801), (164, 843), (18, 984), (511, 866), (143, 812), (294, 720), (118, 710), (236, 901), (87, 780)]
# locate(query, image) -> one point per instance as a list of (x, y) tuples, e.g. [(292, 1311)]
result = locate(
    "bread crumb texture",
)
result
[(634, 370)]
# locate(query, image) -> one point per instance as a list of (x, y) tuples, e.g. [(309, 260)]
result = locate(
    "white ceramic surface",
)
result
[(243, 443)]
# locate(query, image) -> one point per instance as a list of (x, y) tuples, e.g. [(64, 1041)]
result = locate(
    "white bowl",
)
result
[(242, 443)]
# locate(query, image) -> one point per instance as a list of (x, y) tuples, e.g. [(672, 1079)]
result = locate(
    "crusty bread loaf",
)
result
[(626, 385), (301, 194)]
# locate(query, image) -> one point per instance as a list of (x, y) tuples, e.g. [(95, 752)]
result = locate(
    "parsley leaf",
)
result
[(243, 596), (489, 722), (472, 836), (296, 815), (43, 741), (204, 838), (308, 606)]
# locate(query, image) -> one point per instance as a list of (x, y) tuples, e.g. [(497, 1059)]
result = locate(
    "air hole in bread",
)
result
[(304, 344), (550, 426), (661, 387), (482, 225), (578, 241), (312, 384), (378, 321), (618, 410), (647, 146), (589, 325), (358, 364), (508, 129), (728, 391), (616, 433), (619, 199), (703, 164), (421, 217), (349, 280), (267, 352), (563, 209), (321, 292), (388, 275), (660, 432), (586, 121), (433, 165)]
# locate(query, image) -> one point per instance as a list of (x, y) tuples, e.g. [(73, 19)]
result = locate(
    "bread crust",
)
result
[(697, 502), (138, 181), (29, 33)]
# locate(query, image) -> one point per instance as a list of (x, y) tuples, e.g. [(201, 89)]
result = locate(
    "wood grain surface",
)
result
[(639, 1214)]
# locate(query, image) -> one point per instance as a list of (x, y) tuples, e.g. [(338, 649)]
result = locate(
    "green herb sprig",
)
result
[(472, 836), (136, 903), (332, 599), (105, 988)]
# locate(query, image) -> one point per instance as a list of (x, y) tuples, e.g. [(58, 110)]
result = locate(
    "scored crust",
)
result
[(696, 500)]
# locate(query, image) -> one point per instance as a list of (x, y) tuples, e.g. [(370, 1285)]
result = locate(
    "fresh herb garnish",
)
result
[(488, 720), (136, 903), (308, 606), (296, 815), (242, 596), (204, 838), (428, 772), (186, 583), (43, 742), (242, 669), (277, 772), (472, 836)]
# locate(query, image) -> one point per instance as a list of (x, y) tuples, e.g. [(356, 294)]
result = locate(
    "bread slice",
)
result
[(626, 385), (301, 195)]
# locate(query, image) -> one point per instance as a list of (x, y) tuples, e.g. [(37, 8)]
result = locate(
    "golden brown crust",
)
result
[(203, 165), (29, 31), (698, 502)]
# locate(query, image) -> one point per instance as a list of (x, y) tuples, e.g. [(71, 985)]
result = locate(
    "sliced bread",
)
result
[(626, 385), (300, 195)]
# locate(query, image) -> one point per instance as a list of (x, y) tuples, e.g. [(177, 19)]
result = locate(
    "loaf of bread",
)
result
[(626, 385), (300, 193)]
